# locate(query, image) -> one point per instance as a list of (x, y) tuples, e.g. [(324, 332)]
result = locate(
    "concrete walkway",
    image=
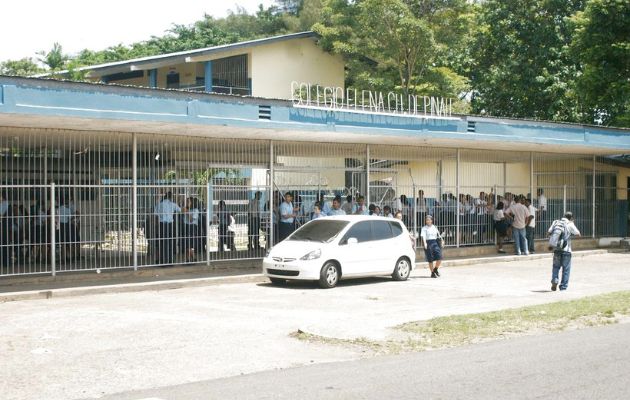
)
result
[(88, 283), (90, 346)]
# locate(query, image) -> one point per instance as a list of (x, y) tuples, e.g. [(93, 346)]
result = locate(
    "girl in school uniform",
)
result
[(432, 242)]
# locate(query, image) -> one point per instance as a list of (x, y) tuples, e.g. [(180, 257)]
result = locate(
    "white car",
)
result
[(333, 248)]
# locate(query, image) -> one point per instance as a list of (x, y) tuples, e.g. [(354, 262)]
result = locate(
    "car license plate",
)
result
[(278, 265)]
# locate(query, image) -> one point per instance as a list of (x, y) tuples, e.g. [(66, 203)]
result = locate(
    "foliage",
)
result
[(22, 67), (399, 44), (522, 67), (55, 59), (602, 44)]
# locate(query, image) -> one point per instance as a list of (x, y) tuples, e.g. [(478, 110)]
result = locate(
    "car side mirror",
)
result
[(352, 241)]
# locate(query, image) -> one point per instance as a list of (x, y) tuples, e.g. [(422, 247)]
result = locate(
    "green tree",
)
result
[(22, 67), (522, 66), (393, 44), (602, 43), (55, 59)]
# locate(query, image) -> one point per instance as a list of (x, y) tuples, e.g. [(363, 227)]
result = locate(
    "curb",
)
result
[(127, 287), (251, 278)]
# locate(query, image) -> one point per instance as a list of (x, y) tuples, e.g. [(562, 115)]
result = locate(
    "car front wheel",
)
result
[(329, 275), (402, 269)]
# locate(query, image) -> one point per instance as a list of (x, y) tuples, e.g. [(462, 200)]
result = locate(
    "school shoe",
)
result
[(554, 286), (436, 272), (433, 275)]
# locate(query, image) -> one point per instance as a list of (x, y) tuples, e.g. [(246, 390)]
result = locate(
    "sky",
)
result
[(29, 26)]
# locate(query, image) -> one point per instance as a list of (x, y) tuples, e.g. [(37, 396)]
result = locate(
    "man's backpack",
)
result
[(559, 237)]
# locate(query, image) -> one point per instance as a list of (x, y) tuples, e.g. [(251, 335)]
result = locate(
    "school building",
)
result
[(84, 164)]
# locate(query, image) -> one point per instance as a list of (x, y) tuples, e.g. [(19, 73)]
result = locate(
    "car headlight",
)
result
[(313, 255)]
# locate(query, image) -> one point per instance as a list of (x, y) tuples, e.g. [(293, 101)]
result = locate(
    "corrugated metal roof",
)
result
[(182, 55)]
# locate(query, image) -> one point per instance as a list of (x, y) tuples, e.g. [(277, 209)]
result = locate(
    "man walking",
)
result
[(563, 230)]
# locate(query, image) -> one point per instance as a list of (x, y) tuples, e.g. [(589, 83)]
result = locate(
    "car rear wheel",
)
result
[(277, 281), (329, 275), (402, 269)]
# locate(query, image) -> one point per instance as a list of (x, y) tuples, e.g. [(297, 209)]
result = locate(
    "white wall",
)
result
[(276, 65)]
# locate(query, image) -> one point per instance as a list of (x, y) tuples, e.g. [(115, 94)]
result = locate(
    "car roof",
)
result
[(357, 218)]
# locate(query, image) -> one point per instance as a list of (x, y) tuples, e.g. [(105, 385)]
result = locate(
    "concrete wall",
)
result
[(276, 65)]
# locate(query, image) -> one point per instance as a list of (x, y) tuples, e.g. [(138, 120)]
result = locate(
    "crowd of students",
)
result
[(25, 231), (181, 229), (478, 216)]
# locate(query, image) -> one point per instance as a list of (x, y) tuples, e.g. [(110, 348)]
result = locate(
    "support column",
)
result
[(531, 176), (594, 193), (367, 174), (208, 76), (271, 195), (134, 200), (153, 78), (457, 227)]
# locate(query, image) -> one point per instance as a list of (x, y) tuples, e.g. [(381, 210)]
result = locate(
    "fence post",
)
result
[(457, 227), (367, 173), (134, 201), (53, 239), (415, 214), (271, 195), (208, 220), (564, 199), (594, 193), (494, 201)]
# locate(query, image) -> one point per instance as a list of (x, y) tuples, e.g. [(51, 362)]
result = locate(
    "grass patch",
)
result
[(464, 329)]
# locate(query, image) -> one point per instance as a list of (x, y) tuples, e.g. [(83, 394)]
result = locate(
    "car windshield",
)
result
[(322, 231)]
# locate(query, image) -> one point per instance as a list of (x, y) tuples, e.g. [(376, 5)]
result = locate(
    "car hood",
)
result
[(295, 249)]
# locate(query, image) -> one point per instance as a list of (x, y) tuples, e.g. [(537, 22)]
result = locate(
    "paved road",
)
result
[(586, 364), (93, 346)]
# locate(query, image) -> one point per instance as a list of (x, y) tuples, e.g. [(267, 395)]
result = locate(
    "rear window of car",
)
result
[(381, 230), (319, 231), (396, 228)]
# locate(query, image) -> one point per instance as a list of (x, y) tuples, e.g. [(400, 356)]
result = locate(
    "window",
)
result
[(396, 228), (362, 231), (319, 231), (229, 75), (381, 230), (172, 81)]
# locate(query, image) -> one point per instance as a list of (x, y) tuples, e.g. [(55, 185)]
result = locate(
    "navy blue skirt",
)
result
[(433, 252)]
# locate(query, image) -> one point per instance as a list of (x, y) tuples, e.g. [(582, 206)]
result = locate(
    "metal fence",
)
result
[(104, 210)]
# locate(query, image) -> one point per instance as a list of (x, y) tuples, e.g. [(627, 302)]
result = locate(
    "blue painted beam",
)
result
[(208, 76), (32, 97)]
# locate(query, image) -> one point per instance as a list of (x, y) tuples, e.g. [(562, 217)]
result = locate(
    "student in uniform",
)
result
[(317, 213), (287, 217), (253, 222), (5, 231), (64, 214), (432, 244), (165, 211), (387, 212), (191, 228)]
